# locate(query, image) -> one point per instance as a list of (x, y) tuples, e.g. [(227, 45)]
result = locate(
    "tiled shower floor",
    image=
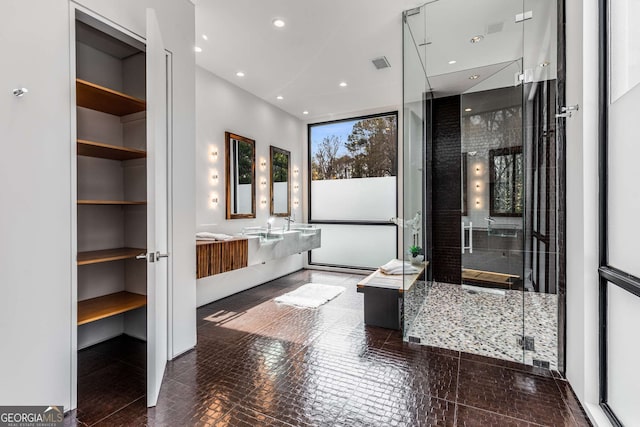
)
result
[(448, 316)]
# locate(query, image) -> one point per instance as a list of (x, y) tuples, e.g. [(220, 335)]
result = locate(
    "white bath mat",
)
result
[(311, 295)]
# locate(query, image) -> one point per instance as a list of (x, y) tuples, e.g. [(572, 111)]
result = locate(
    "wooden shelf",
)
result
[(99, 98), (110, 202), (108, 305), (107, 151), (106, 255)]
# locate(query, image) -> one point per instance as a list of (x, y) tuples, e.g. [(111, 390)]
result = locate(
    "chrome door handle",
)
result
[(149, 257), (159, 255)]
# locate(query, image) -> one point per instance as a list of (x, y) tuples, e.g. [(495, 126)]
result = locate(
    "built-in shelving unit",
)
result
[(99, 98), (111, 202), (111, 172), (106, 255), (105, 306), (107, 151)]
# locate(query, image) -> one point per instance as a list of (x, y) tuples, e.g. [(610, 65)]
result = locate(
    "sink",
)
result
[(305, 230), (266, 236)]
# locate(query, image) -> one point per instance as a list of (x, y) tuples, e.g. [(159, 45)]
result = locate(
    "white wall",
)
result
[(222, 106), (582, 206), (36, 222), (35, 219)]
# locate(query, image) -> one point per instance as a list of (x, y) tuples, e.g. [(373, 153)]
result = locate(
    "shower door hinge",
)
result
[(527, 343), (567, 111)]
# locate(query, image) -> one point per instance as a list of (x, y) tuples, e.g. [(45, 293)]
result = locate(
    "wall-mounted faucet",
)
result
[(270, 222)]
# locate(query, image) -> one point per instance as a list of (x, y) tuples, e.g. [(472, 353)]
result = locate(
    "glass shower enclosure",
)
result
[(480, 177)]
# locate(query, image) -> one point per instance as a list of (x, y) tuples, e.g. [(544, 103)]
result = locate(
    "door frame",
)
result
[(73, 8), (608, 275)]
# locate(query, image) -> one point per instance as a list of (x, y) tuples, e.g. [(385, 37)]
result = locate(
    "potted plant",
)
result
[(416, 254)]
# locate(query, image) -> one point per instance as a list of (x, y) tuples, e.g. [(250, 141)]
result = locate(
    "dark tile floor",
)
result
[(262, 364)]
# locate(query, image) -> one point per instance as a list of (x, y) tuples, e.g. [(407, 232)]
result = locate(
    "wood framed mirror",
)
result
[(240, 170), (280, 172)]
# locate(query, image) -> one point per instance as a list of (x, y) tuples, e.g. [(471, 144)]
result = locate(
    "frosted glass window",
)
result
[(372, 199), (623, 347), (367, 246), (623, 189), (624, 42)]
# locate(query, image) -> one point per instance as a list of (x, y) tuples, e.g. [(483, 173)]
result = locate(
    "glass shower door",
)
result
[(413, 224), (481, 167)]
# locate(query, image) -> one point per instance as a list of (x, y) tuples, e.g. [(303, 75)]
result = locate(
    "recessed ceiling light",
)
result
[(204, 37), (467, 109), (305, 112), (197, 49), (343, 84), (473, 77), (240, 74), (279, 97), (452, 62), (476, 39), (278, 23)]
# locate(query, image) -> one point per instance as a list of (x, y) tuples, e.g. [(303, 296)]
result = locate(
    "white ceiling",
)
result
[(323, 43), (442, 32)]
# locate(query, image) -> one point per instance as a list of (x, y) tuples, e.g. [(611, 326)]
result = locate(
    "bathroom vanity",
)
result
[(256, 245)]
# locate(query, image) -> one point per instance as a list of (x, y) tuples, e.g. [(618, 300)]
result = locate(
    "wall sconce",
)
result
[(214, 154), (213, 198), (295, 171), (296, 203), (296, 186), (263, 181), (477, 169), (477, 203), (263, 163), (263, 202)]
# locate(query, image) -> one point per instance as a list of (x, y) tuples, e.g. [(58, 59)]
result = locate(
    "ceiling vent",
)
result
[(381, 62)]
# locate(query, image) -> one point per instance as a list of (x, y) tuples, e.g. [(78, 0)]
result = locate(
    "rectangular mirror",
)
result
[(280, 182), (240, 153)]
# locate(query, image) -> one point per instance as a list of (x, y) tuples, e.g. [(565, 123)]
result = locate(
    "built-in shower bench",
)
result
[(383, 296), (488, 278)]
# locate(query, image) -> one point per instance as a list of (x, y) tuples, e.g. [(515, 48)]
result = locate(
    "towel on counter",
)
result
[(204, 235), (395, 266)]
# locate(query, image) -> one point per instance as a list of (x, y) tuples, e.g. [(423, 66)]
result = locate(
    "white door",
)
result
[(157, 223)]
